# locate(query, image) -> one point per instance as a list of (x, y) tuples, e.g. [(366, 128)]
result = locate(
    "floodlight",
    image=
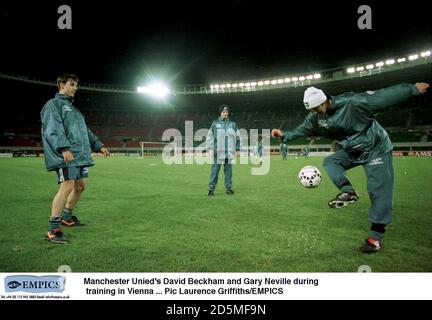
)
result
[(156, 89)]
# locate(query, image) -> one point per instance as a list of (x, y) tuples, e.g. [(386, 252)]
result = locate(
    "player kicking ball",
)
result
[(349, 119)]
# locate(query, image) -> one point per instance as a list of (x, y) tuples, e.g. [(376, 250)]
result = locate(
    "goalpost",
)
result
[(142, 149), (152, 147)]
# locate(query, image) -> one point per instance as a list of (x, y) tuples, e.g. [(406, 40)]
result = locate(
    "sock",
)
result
[(54, 222), (346, 186), (67, 214), (377, 231)]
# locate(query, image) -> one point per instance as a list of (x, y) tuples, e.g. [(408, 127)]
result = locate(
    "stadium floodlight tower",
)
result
[(158, 90)]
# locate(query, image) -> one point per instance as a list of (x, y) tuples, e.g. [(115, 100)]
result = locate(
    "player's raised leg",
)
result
[(336, 166)]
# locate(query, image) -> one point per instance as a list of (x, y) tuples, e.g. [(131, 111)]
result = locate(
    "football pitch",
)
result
[(145, 216)]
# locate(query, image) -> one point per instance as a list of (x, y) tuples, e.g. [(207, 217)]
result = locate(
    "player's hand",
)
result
[(67, 156), (422, 87), (104, 151), (276, 133)]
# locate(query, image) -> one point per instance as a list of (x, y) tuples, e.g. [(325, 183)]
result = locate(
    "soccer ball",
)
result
[(309, 177)]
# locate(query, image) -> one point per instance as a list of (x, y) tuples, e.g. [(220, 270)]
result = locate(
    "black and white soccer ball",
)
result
[(309, 177)]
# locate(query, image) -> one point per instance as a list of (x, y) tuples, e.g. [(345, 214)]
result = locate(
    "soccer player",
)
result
[(349, 119), (283, 150), (306, 151), (68, 144), (223, 140), (260, 150)]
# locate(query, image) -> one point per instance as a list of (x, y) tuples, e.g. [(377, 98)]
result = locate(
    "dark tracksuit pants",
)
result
[(380, 181), (215, 173)]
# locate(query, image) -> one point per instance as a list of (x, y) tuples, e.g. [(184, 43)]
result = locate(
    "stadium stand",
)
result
[(121, 119)]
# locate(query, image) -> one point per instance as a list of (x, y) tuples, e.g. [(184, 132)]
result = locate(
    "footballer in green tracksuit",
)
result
[(259, 149), (283, 150), (68, 145), (349, 119), (223, 140)]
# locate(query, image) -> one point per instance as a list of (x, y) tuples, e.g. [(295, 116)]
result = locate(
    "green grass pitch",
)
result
[(145, 216)]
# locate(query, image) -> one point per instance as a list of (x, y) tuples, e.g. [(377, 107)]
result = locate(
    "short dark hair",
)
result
[(65, 77)]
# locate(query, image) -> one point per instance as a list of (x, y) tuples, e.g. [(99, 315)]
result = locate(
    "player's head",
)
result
[(67, 84), (315, 100), (224, 111)]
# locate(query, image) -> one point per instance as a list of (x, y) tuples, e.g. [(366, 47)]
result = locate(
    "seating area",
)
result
[(125, 129), (122, 119), (407, 136)]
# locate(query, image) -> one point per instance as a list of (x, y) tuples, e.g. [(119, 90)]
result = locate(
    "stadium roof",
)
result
[(187, 42)]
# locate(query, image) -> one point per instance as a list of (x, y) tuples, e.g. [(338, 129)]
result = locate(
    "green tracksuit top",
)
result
[(64, 128), (350, 120), (224, 138)]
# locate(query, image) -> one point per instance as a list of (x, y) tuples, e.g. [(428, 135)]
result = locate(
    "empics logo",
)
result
[(14, 284), (34, 284)]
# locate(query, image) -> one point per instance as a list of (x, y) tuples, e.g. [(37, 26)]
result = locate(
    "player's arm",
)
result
[(95, 144), (386, 97), (53, 131), (303, 130)]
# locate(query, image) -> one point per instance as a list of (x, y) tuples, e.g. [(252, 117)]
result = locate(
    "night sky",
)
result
[(194, 42)]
